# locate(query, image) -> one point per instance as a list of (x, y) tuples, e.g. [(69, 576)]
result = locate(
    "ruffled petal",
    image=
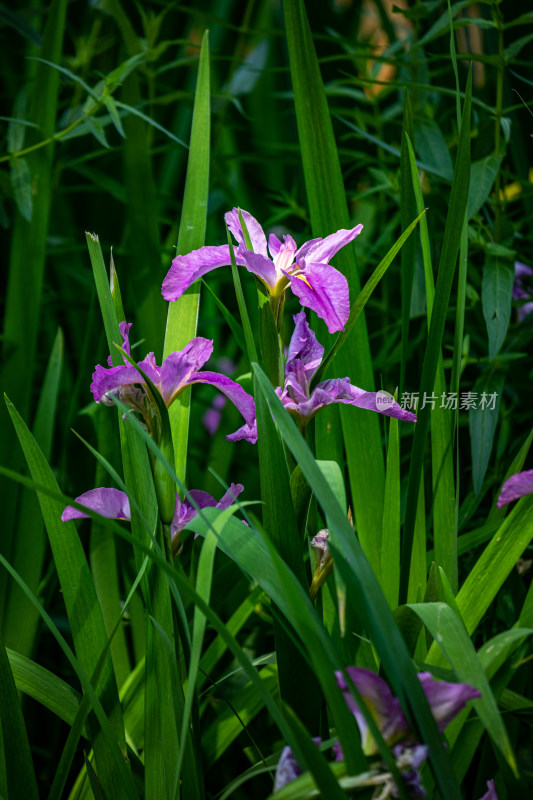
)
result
[(178, 367), (340, 390), (305, 352), (325, 290), (516, 486), (446, 700), (321, 250), (185, 270), (257, 234), (110, 503)]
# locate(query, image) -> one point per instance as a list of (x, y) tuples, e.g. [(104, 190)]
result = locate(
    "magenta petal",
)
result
[(257, 235), (247, 433), (516, 486), (305, 352), (124, 331), (178, 367), (340, 390), (325, 290), (321, 250), (446, 700), (233, 391), (110, 503), (385, 708), (185, 270), (185, 511), (261, 266), (107, 380)]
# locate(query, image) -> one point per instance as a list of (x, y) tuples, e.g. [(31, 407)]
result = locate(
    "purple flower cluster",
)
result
[(445, 700)]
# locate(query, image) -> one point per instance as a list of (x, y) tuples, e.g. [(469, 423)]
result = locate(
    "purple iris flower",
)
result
[(516, 486), (521, 290), (304, 358), (306, 269), (114, 504), (446, 700), (179, 369)]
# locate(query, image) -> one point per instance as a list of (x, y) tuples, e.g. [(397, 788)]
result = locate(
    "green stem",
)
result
[(50, 139), (497, 123)]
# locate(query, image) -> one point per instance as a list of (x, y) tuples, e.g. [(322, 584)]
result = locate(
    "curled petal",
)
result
[(322, 250), (247, 432), (110, 503), (257, 234), (325, 290), (446, 700), (185, 270), (178, 367), (516, 486), (234, 392)]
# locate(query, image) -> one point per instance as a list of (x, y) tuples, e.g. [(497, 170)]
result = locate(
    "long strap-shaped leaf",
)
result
[(368, 597), (17, 775), (26, 269), (448, 258), (83, 611), (183, 313), (329, 211)]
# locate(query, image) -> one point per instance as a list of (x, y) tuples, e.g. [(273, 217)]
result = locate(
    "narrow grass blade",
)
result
[(116, 753), (370, 601), (17, 778), (182, 316), (44, 687), (390, 554), (328, 210), (364, 295), (450, 249), (494, 565), (444, 532), (26, 268), (21, 619), (410, 251), (84, 613), (455, 644), (144, 242)]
